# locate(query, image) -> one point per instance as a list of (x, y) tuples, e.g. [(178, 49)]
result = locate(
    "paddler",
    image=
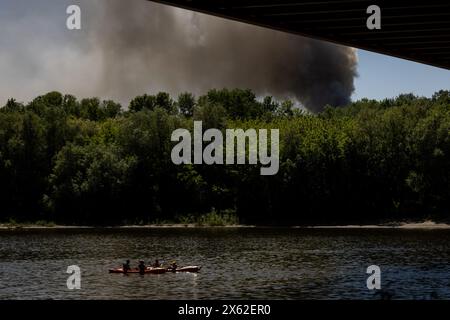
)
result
[(173, 266), (126, 266), (141, 267), (156, 264)]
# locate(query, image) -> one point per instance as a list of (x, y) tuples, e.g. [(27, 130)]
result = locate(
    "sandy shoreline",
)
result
[(426, 225), (151, 226)]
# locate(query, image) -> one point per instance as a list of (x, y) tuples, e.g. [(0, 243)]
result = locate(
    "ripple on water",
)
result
[(237, 263)]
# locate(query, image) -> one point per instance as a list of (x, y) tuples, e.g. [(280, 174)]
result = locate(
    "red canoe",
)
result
[(158, 270)]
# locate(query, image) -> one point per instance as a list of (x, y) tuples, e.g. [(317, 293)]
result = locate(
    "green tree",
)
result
[(164, 101), (143, 102), (186, 104)]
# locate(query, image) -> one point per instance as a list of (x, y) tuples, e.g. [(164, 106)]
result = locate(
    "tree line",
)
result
[(93, 162)]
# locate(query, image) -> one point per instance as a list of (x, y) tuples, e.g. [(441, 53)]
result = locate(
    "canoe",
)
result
[(135, 270), (158, 270)]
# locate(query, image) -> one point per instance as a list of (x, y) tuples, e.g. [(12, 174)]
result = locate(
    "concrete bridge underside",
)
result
[(417, 31)]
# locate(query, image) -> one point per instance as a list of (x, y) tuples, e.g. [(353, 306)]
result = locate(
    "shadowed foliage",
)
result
[(92, 162)]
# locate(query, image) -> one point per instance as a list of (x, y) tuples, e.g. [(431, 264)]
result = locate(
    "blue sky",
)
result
[(382, 76)]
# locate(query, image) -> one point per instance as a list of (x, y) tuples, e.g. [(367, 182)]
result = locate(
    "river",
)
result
[(237, 263)]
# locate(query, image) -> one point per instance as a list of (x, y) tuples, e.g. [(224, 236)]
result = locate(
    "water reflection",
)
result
[(237, 263)]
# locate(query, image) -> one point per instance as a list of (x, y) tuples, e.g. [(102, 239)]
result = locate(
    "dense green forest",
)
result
[(94, 162)]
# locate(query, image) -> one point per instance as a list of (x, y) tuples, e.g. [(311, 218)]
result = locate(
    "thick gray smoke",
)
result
[(147, 46), (127, 48)]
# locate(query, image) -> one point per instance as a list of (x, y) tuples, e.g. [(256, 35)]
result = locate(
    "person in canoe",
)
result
[(173, 266), (126, 266), (156, 264), (142, 267)]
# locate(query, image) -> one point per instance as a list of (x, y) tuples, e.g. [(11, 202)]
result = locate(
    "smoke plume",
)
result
[(127, 48)]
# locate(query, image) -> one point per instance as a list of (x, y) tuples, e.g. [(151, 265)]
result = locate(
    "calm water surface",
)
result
[(238, 263)]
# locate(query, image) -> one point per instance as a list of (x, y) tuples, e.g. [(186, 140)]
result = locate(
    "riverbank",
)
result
[(431, 225), (425, 225), (149, 226)]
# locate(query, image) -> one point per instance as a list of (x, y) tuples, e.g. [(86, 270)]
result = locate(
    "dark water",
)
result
[(237, 263)]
